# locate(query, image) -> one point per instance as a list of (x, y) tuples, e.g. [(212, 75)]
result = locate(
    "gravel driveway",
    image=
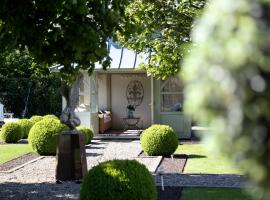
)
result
[(37, 180)]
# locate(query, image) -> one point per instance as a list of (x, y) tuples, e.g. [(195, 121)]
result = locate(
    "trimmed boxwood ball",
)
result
[(26, 125), (87, 133), (11, 132), (159, 140), (36, 118), (43, 136), (50, 116), (118, 180)]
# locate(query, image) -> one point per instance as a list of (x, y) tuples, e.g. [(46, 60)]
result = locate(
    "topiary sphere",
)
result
[(36, 118), (26, 125), (87, 134), (11, 132), (159, 140), (43, 136), (118, 179), (50, 116)]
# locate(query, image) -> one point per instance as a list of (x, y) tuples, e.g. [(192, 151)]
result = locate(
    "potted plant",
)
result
[(130, 110)]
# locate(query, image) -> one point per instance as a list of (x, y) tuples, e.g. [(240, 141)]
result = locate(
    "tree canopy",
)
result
[(72, 33), (228, 80), (24, 84), (161, 28)]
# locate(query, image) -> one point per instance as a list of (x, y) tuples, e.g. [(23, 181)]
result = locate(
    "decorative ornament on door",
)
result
[(134, 95)]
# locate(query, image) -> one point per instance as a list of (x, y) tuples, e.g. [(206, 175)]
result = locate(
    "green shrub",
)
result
[(87, 134), (50, 116), (43, 136), (118, 180), (159, 140), (11, 132), (36, 118), (26, 125)]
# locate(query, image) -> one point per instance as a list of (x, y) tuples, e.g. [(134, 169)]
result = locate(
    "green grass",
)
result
[(202, 161), (215, 194), (11, 151)]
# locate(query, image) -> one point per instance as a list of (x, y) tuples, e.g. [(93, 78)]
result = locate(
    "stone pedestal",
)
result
[(71, 156)]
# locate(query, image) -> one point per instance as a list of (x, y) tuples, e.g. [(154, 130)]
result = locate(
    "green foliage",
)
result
[(87, 133), (26, 125), (50, 116), (30, 85), (36, 118), (61, 32), (162, 28), (11, 132), (228, 80), (118, 179), (159, 140), (44, 134)]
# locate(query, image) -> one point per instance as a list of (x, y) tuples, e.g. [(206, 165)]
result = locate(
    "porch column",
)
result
[(94, 103)]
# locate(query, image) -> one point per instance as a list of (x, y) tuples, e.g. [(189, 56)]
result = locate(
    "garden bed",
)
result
[(16, 162), (168, 164), (173, 165), (169, 193)]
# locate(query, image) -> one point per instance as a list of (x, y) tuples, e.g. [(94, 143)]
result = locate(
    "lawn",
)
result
[(11, 151), (202, 161), (214, 194)]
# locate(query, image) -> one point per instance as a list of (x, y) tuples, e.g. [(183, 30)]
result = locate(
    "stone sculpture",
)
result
[(71, 94)]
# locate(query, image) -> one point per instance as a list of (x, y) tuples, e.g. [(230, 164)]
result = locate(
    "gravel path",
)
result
[(37, 180)]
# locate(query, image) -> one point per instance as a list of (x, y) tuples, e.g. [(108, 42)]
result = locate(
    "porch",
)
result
[(107, 95)]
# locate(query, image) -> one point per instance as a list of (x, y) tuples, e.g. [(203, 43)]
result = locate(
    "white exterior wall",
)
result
[(102, 91), (119, 83)]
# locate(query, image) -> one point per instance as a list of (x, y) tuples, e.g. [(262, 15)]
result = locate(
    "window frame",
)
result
[(181, 93)]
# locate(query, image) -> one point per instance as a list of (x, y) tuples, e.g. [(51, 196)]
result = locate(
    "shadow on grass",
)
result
[(196, 156), (40, 191), (188, 156)]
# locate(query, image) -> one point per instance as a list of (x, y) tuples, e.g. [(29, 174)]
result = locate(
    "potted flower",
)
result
[(130, 110)]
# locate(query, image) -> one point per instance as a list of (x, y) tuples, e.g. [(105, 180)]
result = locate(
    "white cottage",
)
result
[(122, 85)]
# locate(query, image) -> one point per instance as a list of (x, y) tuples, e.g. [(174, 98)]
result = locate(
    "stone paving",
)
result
[(37, 180)]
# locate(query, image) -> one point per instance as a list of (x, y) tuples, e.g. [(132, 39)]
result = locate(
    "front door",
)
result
[(168, 106)]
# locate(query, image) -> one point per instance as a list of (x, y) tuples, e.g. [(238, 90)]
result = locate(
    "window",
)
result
[(171, 95), (84, 96), (81, 93)]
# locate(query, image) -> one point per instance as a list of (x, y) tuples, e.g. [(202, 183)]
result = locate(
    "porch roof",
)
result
[(123, 59)]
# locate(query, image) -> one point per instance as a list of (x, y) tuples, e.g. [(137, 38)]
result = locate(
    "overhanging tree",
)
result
[(71, 33), (61, 31), (162, 29)]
